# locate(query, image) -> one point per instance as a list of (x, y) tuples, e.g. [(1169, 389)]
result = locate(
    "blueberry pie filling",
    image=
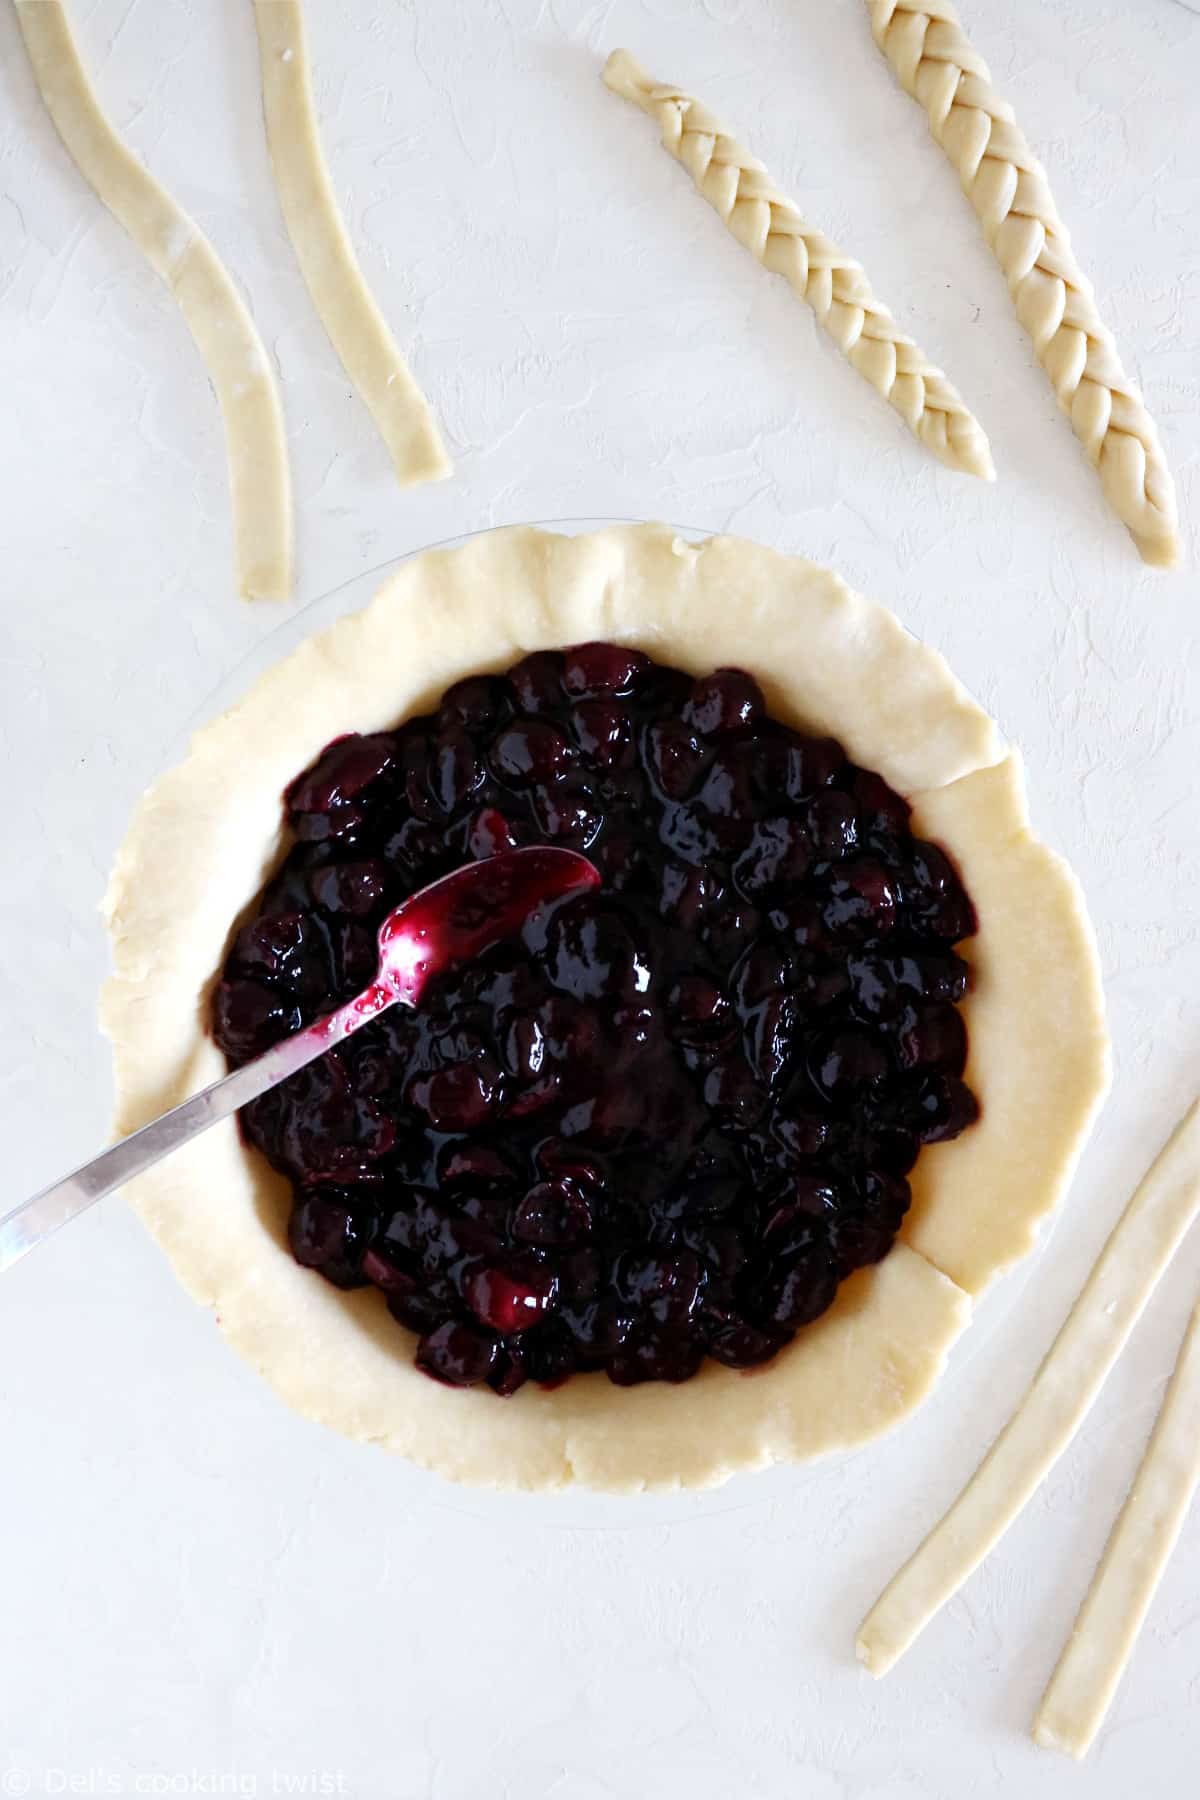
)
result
[(671, 1118)]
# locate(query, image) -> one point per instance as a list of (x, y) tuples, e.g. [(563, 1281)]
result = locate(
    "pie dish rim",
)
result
[(890, 1331)]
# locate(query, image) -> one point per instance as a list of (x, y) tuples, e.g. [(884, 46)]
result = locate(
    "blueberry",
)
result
[(801, 1136), (510, 1370), (420, 1312), (343, 771), (778, 854), (832, 823), (945, 1107), (603, 732), (270, 947), (567, 816), (327, 1234), (459, 1098), (699, 1012), (386, 1274), (771, 1038), (351, 889), (727, 791), (537, 681), (861, 899), (456, 770), (848, 1061), (763, 972), (480, 704), (457, 1354), (489, 833), (593, 954), (934, 1037), (739, 1344), (687, 895), (473, 1163), (649, 1356), (250, 1018), (732, 1093), (552, 1214), (528, 753), (935, 896), (724, 703), (797, 1289), (602, 669), (416, 849), (812, 764), (511, 1298), (665, 1288), (675, 758), (859, 1242), (879, 807)]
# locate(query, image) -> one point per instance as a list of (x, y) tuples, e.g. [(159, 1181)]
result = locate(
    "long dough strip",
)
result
[(1072, 1374), (1006, 184), (1102, 1641), (833, 284), (356, 327), (213, 311)]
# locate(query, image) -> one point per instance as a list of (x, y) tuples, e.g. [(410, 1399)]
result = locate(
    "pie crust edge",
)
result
[(204, 838)]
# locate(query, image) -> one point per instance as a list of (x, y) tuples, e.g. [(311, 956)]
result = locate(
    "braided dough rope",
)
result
[(213, 310), (1006, 184), (834, 285), (344, 303)]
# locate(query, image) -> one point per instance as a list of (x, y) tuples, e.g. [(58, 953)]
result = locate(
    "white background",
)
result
[(198, 1586)]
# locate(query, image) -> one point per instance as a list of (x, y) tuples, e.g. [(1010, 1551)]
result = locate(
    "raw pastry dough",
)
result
[(834, 285), (356, 327), (213, 311), (1083, 1684), (1034, 935), (205, 837), (1063, 1390), (1006, 184)]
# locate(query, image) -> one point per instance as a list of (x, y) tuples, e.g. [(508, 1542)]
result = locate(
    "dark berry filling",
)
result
[(671, 1117)]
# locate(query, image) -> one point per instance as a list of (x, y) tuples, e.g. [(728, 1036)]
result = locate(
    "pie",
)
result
[(665, 1118), (703, 1172)]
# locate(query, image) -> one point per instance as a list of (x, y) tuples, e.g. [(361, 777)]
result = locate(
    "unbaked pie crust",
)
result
[(206, 835)]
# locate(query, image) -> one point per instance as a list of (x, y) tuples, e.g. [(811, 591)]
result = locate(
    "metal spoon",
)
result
[(445, 924)]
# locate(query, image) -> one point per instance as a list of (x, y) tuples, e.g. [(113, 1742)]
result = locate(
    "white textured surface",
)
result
[(199, 1588)]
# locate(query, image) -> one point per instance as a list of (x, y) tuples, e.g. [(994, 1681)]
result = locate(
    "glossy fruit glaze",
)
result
[(666, 1121)]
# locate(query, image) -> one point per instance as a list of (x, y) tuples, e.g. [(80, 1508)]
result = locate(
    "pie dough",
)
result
[(1006, 184), (1072, 1374), (356, 327), (834, 285), (205, 837), (1091, 1666), (224, 333)]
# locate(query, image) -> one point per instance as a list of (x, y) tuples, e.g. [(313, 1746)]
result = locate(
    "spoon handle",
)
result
[(36, 1219), (447, 923)]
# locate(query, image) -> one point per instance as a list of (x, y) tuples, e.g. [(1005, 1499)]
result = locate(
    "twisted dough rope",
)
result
[(834, 285), (1007, 186)]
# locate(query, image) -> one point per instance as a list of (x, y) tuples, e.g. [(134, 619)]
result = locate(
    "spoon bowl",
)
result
[(435, 930)]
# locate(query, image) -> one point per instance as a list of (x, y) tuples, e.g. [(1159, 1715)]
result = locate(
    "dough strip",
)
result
[(766, 223), (1072, 1374), (934, 61), (178, 251), (345, 306), (1137, 1553)]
